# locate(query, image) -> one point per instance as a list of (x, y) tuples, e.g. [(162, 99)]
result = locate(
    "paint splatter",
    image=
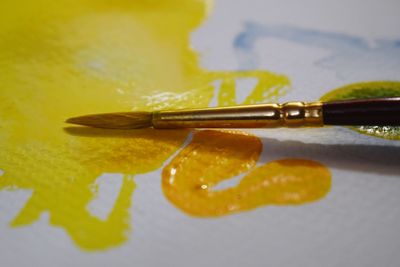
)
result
[(214, 156), (92, 56), (368, 90)]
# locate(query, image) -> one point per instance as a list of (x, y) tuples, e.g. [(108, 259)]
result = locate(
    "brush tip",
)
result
[(121, 120)]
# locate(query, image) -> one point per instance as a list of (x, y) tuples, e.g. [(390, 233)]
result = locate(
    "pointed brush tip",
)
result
[(126, 120), (71, 120)]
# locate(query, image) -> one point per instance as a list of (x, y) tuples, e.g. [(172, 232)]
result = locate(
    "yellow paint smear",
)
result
[(63, 58), (214, 156)]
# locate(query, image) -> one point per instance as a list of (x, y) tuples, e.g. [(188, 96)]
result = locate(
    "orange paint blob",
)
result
[(215, 156)]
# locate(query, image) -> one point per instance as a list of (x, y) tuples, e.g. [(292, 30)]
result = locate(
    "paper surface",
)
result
[(318, 46)]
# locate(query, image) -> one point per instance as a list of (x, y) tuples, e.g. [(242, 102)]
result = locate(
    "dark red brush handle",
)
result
[(368, 112)]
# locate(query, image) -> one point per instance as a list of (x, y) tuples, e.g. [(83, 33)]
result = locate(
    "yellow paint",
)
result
[(227, 93), (214, 156), (368, 90), (65, 58)]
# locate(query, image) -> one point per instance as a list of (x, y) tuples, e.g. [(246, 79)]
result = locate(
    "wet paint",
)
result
[(215, 156), (369, 90), (69, 59)]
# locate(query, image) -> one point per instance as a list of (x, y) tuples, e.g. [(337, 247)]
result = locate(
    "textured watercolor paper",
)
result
[(278, 197)]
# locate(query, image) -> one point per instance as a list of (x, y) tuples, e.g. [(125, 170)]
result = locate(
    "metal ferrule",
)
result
[(291, 114)]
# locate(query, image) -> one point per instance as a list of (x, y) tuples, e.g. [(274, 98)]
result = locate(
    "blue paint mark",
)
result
[(350, 57)]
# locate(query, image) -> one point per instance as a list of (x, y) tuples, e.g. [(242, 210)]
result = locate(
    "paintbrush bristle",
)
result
[(121, 120)]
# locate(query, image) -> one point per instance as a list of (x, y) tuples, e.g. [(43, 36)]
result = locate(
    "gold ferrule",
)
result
[(299, 114), (291, 114)]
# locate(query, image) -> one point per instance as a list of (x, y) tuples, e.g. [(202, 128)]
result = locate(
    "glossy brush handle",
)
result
[(368, 112)]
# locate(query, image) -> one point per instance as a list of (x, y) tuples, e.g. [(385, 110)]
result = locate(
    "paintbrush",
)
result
[(367, 112)]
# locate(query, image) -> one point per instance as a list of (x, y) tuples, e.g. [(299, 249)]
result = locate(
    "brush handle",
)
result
[(368, 112), (372, 112)]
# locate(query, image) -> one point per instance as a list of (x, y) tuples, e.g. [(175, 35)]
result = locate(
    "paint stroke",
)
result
[(188, 181), (90, 56), (350, 57)]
